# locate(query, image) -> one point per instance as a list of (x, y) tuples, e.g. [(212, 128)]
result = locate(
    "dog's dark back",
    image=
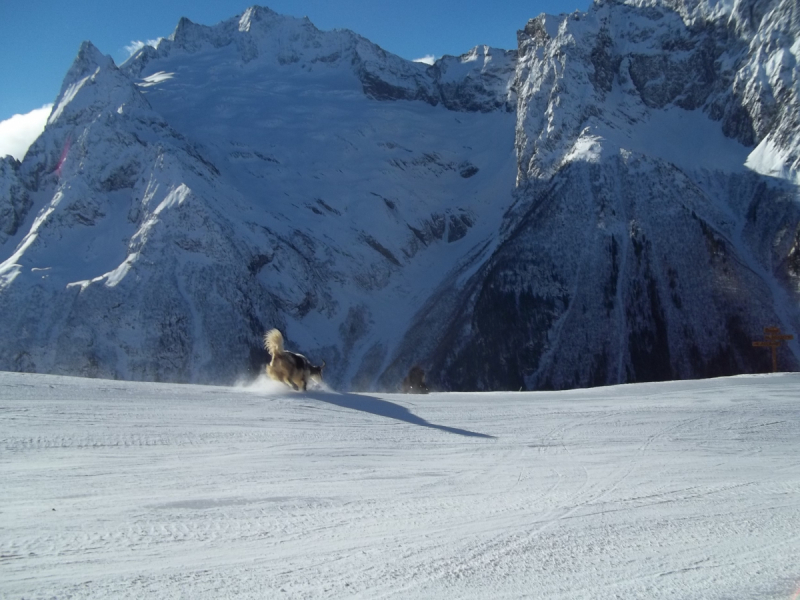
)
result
[(298, 360)]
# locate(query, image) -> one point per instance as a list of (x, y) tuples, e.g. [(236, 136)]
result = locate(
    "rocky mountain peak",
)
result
[(255, 16), (87, 61), (476, 81)]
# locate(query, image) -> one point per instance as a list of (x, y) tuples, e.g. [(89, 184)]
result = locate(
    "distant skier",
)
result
[(414, 383)]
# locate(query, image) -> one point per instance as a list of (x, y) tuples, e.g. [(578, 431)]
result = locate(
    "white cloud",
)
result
[(137, 45), (20, 131), (428, 60)]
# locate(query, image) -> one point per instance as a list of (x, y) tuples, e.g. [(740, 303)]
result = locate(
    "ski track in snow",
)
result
[(130, 490)]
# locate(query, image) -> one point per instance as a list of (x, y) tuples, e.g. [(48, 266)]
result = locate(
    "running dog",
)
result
[(295, 370)]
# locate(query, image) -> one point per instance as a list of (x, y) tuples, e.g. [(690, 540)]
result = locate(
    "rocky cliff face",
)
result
[(615, 200), (15, 201), (656, 226)]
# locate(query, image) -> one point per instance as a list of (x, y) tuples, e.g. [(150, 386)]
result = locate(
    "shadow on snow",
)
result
[(384, 408)]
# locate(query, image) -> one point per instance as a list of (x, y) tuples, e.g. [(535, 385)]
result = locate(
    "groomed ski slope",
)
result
[(113, 489)]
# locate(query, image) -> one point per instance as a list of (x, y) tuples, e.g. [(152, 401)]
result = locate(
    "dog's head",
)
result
[(316, 372)]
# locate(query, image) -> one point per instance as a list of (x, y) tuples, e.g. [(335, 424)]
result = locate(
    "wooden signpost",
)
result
[(773, 338)]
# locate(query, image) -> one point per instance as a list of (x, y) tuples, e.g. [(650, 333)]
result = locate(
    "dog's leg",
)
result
[(298, 382)]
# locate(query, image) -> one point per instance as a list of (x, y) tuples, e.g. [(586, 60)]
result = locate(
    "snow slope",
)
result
[(130, 490)]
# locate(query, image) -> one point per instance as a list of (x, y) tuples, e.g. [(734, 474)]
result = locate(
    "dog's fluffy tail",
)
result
[(273, 342)]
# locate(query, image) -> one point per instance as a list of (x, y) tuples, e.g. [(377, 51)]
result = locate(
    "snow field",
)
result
[(130, 490)]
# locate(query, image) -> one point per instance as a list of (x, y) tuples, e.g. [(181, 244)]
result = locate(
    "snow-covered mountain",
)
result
[(656, 229), (615, 200)]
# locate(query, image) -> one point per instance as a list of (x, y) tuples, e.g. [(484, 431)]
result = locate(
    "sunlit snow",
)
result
[(115, 489)]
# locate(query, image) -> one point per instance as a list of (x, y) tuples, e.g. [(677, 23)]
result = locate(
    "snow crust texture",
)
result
[(654, 491), (615, 200)]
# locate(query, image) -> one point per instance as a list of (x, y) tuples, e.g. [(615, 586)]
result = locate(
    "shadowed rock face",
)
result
[(261, 173), (15, 202), (620, 263), (628, 302)]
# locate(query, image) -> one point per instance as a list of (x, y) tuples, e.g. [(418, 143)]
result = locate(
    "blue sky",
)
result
[(40, 38)]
